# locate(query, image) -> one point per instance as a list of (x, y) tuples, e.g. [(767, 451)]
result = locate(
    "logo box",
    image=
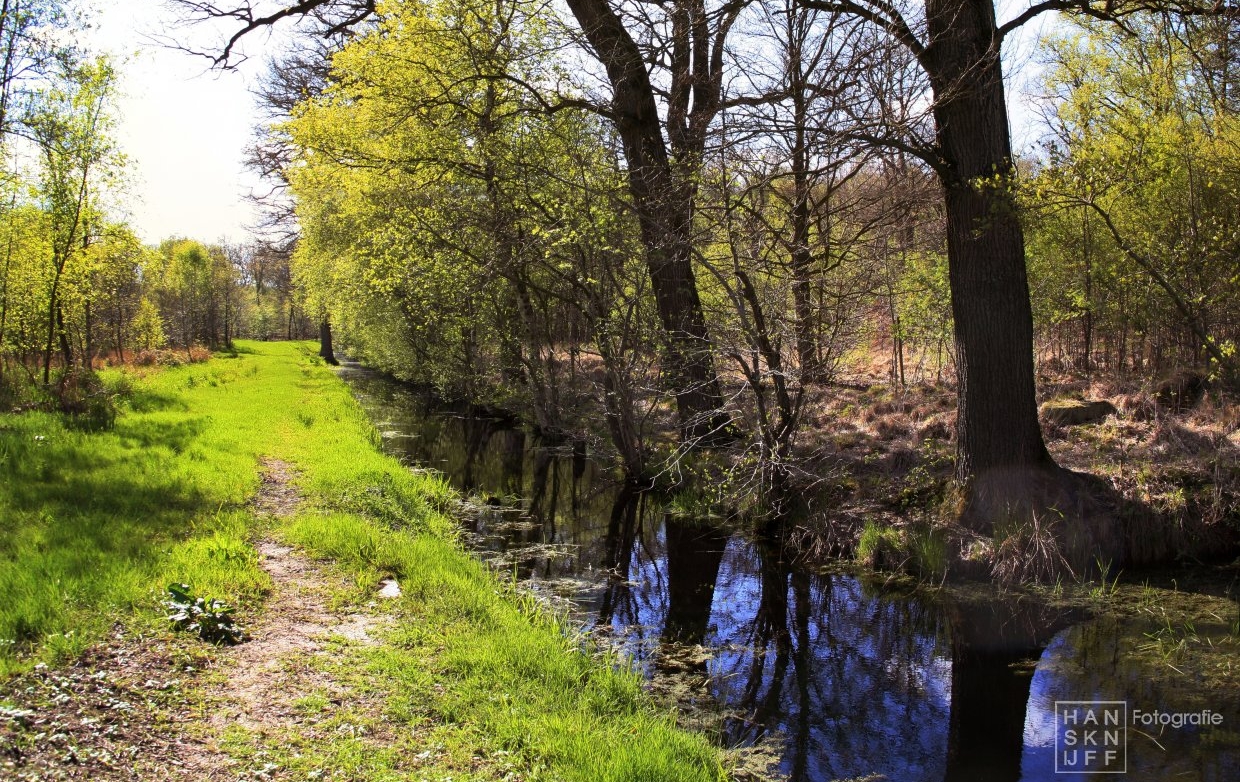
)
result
[(1091, 737)]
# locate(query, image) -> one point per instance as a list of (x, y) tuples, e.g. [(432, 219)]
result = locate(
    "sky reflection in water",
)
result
[(846, 679)]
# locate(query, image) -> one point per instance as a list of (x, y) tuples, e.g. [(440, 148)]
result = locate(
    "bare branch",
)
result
[(1111, 10), (879, 13), (335, 16)]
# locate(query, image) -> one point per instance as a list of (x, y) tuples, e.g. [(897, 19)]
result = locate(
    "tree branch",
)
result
[(879, 13), (355, 12), (1109, 10)]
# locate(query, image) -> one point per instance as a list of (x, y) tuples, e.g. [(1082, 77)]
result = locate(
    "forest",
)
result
[(701, 237), (630, 390), (79, 288), (699, 241)]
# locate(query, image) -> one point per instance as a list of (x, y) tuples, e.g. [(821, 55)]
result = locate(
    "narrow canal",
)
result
[(837, 676)]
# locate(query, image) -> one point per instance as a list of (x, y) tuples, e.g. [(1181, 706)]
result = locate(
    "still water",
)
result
[(839, 677)]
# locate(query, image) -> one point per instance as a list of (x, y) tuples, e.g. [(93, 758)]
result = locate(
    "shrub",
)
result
[(86, 399)]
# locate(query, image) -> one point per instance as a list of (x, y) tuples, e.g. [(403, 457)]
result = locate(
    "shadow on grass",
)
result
[(145, 400), (108, 492), (89, 520), (175, 434)]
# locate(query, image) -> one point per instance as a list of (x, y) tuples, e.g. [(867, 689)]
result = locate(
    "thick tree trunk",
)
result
[(665, 218), (999, 443), (326, 352), (663, 193)]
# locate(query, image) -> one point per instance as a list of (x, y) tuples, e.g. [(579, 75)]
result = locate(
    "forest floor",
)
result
[(883, 457), (377, 649)]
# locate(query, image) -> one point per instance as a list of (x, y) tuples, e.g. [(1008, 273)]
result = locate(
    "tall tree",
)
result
[(1142, 164), (663, 175), (71, 126), (32, 49), (1001, 459), (662, 170)]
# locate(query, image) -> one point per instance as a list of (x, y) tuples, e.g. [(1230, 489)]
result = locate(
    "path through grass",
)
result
[(464, 677)]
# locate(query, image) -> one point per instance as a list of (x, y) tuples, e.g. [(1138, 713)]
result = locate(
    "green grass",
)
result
[(489, 658), (94, 525)]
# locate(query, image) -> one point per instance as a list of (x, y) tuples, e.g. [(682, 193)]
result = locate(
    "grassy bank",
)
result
[(96, 523)]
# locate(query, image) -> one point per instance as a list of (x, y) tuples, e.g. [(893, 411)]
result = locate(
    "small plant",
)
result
[(1105, 589), (929, 550), (881, 547), (211, 619), (86, 399)]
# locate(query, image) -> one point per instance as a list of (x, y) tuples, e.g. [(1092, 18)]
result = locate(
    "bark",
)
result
[(62, 334), (999, 442), (120, 337), (88, 344), (51, 326), (326, 352), (663, 188), (801, 255), (4, 300)]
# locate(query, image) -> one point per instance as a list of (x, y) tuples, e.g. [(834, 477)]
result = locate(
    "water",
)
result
[(839, 677)]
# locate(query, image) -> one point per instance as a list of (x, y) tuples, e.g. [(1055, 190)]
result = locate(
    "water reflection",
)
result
[(846, 678)]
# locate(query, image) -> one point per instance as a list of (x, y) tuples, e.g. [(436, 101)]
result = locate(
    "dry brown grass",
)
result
[(1176, 476)]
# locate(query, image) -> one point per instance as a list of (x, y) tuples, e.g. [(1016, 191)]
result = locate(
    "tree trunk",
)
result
[(665, 218), (88, 344), (51, 328), (326, 352), (663, 193), (120, 337), (999, 446), (228, 343), (62, 333), (4, 293), (801, 256)]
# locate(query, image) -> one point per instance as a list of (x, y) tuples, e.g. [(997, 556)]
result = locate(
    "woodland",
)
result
[(772, 257), (703, 389)]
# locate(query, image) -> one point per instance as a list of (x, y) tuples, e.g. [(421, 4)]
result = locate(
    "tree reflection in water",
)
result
[(846, 678)]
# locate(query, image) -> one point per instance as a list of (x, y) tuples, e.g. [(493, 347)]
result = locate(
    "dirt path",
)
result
[(129, 710), (265, 679)]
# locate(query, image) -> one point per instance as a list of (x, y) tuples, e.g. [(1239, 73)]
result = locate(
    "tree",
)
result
[(148, 326), (1138, 189), (1001, 459), (32, 51), (195, 283), (71, 126), (662, 175)]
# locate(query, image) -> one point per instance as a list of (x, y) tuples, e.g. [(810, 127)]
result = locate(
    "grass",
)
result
[(93, 524), (96, 524)]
